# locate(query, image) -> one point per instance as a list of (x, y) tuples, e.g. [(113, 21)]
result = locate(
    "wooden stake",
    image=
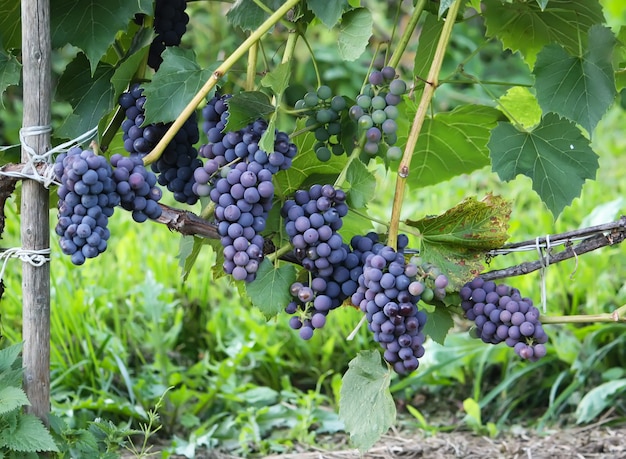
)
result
[(35, 224)]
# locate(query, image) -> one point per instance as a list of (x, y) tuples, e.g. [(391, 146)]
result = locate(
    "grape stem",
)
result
[(406, 35), (619, 315), (215, 77), (418, 121), (251, 70)]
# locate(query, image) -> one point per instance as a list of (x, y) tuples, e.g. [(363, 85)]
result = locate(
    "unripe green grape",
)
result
[(321, 134), (323, 154), (310, 99), (333, 128), (368, 90), (473, 333), (337, 149), (338, 103), (310, 122), (391, 138), (324, 116), (428, 295), (392, 112), (366, 122), (364, 101), (379, 116), (397, 87), (394, 153), (324, 92), (378, 103), (389, 126), (300, 105)]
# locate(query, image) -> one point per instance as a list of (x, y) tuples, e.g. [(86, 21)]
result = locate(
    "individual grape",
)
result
[(170, 24), (501, 319), (87, 198)]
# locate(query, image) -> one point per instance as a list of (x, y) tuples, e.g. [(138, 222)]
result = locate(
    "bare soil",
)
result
[(578, 443)]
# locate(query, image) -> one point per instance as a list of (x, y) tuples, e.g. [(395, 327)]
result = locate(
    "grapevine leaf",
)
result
[(247, 15), (268, 139), (355, 223), (306, 168), (365, 405), (456, 241), (8, 356), (30, 435), (429, 36), (555, 155), (125, 71), (579, 88), (362, 184), (270, 290), (188, 251), (247, 107), (598, 399), (451, 144), (278, 79), (177, 82), (521, 105), (10, 29), (562, 21), (438, 324), (355, 31), (90, 96), (10, 72), (12, 398), (444, 5), (328, 12), (90, 25)]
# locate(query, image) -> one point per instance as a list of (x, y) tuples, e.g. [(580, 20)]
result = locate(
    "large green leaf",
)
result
[(428, 39), (580, 88), (90, 96), (525, 27), (177, 82), (10, 30), (355, 31), (438, 324), (29, 435), (599, 399), (247, 107), (457, 240), (451, 144), (555, 155), (10, 72), (362, 184), (328, 11), (91, 25), (365, 404), (247, 14), (270, 290)]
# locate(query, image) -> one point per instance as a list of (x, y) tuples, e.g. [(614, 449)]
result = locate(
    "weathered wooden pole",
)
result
[(35, 221)]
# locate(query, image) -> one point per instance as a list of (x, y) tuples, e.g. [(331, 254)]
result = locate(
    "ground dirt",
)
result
[(577, 443)]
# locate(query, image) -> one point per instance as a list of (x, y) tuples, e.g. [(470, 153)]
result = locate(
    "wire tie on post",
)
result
[(33, 257)]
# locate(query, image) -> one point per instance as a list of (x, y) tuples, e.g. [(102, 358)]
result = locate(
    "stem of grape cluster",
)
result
[(406, 35), (619, 315), (418, 121), (215, 77)]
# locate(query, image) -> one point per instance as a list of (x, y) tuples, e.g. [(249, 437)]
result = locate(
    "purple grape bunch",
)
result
[(170, 24), (87, 198), (501, 314), (388, 294), (179, 160)]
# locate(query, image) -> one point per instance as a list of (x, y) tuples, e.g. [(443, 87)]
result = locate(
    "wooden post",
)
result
[(35, 221)]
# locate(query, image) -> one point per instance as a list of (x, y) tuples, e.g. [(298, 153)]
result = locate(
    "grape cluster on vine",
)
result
[(87, 198), (324, 113), (179, 159), (388, 293), (501, 314), (170, 24), (237, 177), (376, 112)]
